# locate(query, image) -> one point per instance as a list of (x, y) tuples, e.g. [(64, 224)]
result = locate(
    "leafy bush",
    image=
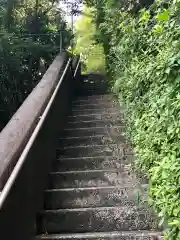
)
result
[(20, 71), (29, 40), (92, 53), (144, 57)]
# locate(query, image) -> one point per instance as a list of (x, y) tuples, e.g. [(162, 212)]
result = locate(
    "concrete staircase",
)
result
[(92, 191)]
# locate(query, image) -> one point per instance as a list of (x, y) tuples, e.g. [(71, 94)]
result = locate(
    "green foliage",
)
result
[(29, 40), (92, 53), (144, 57)]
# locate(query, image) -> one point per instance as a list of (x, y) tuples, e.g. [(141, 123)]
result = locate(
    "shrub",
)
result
[(29, 40), (92, 53)]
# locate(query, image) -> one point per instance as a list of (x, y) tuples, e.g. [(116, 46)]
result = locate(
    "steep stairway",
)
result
[(92, 191)]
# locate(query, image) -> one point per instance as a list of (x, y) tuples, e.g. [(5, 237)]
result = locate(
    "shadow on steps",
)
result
[(92, 84)]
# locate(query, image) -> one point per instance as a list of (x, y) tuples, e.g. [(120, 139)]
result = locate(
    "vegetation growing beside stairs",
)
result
[(142, 45)]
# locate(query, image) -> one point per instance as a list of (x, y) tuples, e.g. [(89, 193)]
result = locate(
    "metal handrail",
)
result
[(75, 72), (16, 133), (23, 156)]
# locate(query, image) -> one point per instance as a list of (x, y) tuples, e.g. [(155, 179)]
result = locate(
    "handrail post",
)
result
[(76, 66)]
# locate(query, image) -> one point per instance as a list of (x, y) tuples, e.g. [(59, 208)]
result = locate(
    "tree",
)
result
[(92, 52), (29, 40)]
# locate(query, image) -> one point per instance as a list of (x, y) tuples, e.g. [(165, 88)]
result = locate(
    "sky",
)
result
[(66, 10)]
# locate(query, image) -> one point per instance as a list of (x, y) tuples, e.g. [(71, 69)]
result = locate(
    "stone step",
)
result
[(88, 104), (96, 220), (96, 99), (87, 163), (89, 142), (95, 123), (94, 140), (94, 197), (91, 117), (113, 131), (86, 140), (94, 178), (88, 151), (109, 110), (112, 150), (92, 163), (126, 235), (90, 90)]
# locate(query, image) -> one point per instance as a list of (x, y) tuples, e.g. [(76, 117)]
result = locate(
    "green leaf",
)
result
[(177, 80), (164, 16), (168, 70), (158, 29), (175, 223), (176, 212), (177, 3)]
